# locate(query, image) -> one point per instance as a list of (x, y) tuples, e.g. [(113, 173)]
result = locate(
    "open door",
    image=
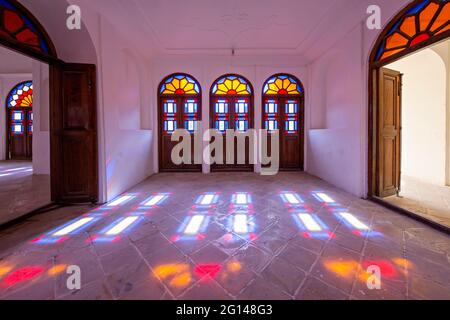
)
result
[(74, 171), (389, 133)]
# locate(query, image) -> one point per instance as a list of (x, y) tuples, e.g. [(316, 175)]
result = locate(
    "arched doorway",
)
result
[(418, 26), (231, 105), (283, 110), (73, 106), (180, 107), (19, 122)]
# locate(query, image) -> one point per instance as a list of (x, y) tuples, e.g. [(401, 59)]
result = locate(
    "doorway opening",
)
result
[(408, 113), (68, 125)]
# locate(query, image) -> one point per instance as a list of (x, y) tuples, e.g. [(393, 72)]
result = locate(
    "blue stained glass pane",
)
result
[(417, 8)]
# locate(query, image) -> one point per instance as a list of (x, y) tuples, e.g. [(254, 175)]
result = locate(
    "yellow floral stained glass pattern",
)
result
[(282, 84), (179, 85), (232, 85)]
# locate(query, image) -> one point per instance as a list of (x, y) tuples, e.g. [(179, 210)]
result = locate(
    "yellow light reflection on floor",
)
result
[(60, 268), (178, 274), (344, 269)]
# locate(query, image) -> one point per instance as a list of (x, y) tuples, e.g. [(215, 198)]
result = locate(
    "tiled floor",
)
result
[(429, 201), (248, 237), (20, 190)]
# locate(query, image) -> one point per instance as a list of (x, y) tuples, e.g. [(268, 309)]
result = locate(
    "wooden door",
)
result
[(178, 112), (20, 133), (285, 114), (233, 113), (389, 133), (74, 166)]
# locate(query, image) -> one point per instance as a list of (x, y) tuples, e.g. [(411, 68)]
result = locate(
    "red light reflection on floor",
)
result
[(21, 275), (210, 270)]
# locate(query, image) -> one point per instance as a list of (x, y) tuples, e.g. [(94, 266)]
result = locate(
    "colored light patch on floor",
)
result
[(323, 197), (311, 226), (193, 228), (241, 199), (208, 199), (155, 200), (115, 231), (353, 222), (22, 275), (121, 226), (63, 233), (207, 270), (179, 275), (120, 201), (345, 269), (73, 227), (291, 199), (58, 269), (240, 224)]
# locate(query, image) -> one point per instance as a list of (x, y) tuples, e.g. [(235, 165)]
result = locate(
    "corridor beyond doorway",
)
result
[(20, 190), (227, 236)]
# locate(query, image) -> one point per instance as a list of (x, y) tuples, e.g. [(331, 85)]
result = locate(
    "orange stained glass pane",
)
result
[(273, 87), (444, 29), (409, 26), (387, 54), (395, 41), (189, 87), (176, 83), (245, 92), (271, 92), (241, 87), (228, 84), (442, 19), (286, 83), (292, 87), (222, 87), (183, 83), (279, 83), (170, 87), (236, 84), (427, 15)]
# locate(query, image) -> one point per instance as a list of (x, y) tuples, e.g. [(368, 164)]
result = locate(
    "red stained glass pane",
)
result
[(13, 22), (28, 36), (419, 39)]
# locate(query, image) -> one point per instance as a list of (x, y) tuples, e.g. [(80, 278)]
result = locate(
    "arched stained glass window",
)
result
[(282, 85), (427, 19), (283, 112), (17, 25), (180, 84), (179, 108), (21, 95), (19, 105), (231, 85)]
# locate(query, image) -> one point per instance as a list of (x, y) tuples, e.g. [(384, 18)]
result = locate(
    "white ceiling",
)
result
[(249, 26), (13, 62)]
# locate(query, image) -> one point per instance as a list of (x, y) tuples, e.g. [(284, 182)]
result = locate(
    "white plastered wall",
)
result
[(424, 104)]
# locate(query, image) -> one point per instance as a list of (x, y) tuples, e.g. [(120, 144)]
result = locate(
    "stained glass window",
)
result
[(18, 26), (21, 95), (17, 122), (423, 21), (241, 115), (180, 85), (191, 115), (282, 95), (231, 85), (291, 115), (221, 115), (271, 121), (282, 85), (170, 115)]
